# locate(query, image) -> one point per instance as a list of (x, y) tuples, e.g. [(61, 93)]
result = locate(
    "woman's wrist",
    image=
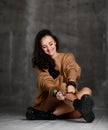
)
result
[(72, 83), (53, 92)]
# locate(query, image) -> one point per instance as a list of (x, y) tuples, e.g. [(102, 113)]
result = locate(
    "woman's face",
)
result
[(48, 45)]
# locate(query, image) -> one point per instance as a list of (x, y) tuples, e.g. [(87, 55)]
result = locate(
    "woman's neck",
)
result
[(55, 55)]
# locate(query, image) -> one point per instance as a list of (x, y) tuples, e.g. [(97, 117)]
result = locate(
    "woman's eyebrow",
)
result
[(50, 41)]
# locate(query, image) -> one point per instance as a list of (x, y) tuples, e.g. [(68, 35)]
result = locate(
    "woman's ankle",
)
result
[(70, 96)]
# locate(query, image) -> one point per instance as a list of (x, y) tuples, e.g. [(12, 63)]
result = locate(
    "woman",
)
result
[(57, 78)]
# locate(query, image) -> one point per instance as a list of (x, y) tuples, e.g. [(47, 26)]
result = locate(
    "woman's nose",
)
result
[(48, 47)]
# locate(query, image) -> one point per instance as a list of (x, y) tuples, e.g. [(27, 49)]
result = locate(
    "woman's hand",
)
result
[(71, 88), (60, 96)]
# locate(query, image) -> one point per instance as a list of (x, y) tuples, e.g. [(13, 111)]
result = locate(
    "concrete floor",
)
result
[(13, 120)]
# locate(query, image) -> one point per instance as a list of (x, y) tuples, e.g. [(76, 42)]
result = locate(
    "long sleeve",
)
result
[(70, 67), (45, 82)]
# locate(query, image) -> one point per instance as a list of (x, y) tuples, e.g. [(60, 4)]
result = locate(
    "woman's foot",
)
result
[(85, 107), (34, 114)]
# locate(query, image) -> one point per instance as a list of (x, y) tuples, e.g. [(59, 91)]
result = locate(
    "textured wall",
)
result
[(81, 28), (14, 55), (106, 83)]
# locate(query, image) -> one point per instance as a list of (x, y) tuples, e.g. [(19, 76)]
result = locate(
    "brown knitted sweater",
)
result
[(68, 68)]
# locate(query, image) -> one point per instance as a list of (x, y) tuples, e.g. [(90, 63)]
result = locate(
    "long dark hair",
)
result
[(40, 59)]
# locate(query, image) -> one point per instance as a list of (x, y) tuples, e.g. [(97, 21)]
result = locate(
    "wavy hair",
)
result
[(42, 60)]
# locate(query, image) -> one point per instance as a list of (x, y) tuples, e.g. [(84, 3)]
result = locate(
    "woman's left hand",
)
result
[(60, 96)]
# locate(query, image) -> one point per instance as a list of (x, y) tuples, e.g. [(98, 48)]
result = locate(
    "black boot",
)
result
[(85, 107), (34, 114), (30, 114)]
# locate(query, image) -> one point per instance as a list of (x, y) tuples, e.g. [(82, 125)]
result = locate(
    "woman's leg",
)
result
[(83, 102), (83, 91), (63, 108), (70, 115), (79, 94), (66, 106)]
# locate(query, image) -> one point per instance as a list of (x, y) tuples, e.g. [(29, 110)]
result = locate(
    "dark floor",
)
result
[(13, 120)]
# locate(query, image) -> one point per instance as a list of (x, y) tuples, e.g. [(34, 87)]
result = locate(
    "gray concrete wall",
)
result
[(81, 28)]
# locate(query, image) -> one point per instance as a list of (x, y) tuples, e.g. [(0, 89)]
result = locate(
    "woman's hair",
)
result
[(42, 60)]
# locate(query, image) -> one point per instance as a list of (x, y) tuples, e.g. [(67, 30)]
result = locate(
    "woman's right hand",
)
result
[(60, 96)]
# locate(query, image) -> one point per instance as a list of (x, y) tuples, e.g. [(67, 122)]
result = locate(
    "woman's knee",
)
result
[(84, 90), (87, 90)]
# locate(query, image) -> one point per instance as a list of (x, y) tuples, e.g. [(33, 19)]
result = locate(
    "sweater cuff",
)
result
[(53, 92), (72, 83)]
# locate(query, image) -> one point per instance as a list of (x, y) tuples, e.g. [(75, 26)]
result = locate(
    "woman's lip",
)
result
[(50, 51)]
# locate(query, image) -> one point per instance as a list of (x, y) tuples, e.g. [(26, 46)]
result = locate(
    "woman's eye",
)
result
[(51, 44), (43, 47)]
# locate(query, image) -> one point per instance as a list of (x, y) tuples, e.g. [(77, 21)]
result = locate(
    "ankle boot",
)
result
[(85, 107), (30, 114), (34, 114)]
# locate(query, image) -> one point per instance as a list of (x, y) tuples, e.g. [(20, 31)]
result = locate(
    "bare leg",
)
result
[(79, 94), (66, 106), (63, 107), (84, 104), (83, 91), (71, 115), (66, 110)]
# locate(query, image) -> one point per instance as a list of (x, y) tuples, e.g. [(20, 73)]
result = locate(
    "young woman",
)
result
[(57, 79)]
